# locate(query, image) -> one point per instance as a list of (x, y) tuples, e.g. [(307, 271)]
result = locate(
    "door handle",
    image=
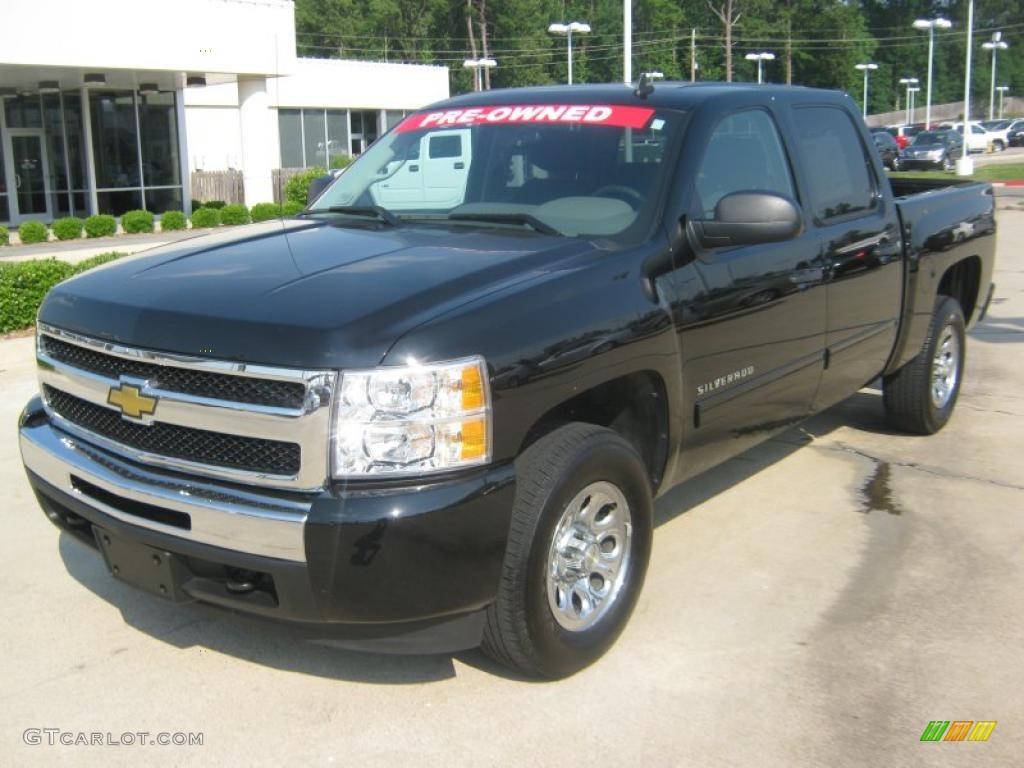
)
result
[(459, 166), (413, 168), (17, 181)]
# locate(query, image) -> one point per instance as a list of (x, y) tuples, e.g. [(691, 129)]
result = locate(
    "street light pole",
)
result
[(478, 66), (931, 25), (1002, 92), (760, 58), (995, 45), (866, 69), (627, 41), (912, 94), (964, 164), (908, 82), (579, 27)]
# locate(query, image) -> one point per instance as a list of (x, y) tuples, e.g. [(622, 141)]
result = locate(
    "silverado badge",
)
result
[(131, 401)]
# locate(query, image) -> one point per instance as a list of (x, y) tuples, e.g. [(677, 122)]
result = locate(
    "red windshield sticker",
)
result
[(616, 116)]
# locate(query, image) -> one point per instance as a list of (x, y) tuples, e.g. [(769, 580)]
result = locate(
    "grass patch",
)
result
[(994, 172)]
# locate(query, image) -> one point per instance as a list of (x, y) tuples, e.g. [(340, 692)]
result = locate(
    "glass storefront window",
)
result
[(160, 200), (158, 126), (118, 201), (114, 140), (337, 133), (392, 118), (315, 137), (289, 124), (73, 130), (23, 111)]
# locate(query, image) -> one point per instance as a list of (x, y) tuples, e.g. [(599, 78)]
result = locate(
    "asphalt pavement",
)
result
[(814, 602)]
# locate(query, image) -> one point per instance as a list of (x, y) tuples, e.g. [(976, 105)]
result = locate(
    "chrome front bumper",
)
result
[(219, 515)]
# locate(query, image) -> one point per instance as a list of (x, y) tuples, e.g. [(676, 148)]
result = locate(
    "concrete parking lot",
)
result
[(815, 602)]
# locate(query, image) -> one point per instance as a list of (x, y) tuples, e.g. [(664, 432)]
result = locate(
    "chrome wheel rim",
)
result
[(945, 367), (588, 560)]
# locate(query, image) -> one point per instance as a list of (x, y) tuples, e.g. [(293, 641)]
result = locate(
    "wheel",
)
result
[(947, 162), (896, 163), (921, 395), (577, 553), (998, 145)]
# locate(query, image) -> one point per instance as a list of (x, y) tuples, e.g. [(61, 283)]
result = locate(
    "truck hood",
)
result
[(305, 294)]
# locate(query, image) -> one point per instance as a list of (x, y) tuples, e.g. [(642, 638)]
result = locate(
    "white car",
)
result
[(978, 139)]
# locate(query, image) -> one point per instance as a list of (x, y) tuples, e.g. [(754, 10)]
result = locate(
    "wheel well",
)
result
[(635, 406), (961, 282)]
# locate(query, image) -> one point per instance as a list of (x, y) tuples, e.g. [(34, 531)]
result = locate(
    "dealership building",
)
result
[(114, 104)]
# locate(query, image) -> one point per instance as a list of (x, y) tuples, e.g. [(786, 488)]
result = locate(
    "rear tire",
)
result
[(577, 553), (920, 396)]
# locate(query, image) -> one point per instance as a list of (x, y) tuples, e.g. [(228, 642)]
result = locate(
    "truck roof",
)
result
[(668, 94)]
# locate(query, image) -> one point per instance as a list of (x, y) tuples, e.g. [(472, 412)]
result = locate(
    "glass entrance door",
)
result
[(31, 198)]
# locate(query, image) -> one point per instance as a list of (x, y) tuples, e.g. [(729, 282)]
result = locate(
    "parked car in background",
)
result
[(1015, 133), (887, 147), (904, 134), (933, 149), (978, 139)]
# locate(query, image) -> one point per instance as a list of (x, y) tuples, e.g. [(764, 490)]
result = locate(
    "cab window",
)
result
[(839, 173), (744, 154)]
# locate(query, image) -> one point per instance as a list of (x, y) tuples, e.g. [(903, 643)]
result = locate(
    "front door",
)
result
[(750, 319), (31, 198)]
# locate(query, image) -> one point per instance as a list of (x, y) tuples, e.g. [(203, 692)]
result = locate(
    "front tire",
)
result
[(920, 396), (577, 553)]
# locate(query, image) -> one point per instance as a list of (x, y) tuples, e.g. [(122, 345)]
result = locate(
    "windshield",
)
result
[(994, 125), (929, 138), (576, 170)]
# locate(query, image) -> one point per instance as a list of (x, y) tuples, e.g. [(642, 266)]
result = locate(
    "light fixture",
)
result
[(568, 30), (760, 58), (867, 69), (478, 65), (193, 81), (94, 78), (49, 86), (147, 89), (995, 45), (930, 25), (8, 93)]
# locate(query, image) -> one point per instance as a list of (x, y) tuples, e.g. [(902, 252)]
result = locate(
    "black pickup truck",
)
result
[(434, 409)]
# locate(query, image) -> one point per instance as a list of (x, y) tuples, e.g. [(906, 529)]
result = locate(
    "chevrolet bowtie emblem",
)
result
[(131, 401)]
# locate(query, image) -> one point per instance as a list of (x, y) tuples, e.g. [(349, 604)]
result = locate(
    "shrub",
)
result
[(172, 220), (100, 225), (23, 284), (94, 261), (205, 217), (68, 228), (296, 189), (137, 222), (234, 214), (33, 232), (266, 211), (218, 204), (5, 235), (341, 161), (290, 208)]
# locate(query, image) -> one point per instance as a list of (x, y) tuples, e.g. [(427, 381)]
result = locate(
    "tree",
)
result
[(729, 14)]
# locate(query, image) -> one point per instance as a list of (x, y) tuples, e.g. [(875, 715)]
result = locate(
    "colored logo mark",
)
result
[(958, 730)]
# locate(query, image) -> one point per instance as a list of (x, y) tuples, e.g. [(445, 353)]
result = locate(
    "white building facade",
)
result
[(116, 105)]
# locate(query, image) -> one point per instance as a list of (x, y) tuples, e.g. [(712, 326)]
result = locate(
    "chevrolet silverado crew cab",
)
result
[(434, 409)]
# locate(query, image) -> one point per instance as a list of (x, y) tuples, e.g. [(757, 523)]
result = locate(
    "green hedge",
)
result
[(94, 261), (172, 220), (23, 284), (290, 207), (33, 232), (205, 217), (68, 228), (341, 161), (100, 225), (266, 211), (137, 222), (5, 235), (234, 214), (296, 189)]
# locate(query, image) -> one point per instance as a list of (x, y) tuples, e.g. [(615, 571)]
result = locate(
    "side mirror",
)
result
[(749, 218), (316, 186)]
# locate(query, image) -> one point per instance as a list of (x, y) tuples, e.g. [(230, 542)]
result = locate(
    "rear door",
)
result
[(750, 319), (446, 167), (861, 248)]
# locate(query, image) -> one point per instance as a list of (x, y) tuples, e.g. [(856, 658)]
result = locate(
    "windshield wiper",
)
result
[(382, 215), (526, 219)]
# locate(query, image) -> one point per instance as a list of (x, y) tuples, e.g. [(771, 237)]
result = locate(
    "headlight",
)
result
[(935, 154), (412, 419)]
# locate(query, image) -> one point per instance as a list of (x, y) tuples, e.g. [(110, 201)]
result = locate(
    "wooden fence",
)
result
[(228, 186)]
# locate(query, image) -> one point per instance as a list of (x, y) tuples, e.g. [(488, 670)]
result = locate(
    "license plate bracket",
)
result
[(153, 570)]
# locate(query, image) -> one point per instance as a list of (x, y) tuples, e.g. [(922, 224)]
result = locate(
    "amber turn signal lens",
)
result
[(474, 439), (472, 388)]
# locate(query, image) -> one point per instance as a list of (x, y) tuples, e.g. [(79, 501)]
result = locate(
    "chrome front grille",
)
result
[(260, 425)]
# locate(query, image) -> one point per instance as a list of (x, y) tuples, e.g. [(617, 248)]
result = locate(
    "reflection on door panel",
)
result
[(433, 173)]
